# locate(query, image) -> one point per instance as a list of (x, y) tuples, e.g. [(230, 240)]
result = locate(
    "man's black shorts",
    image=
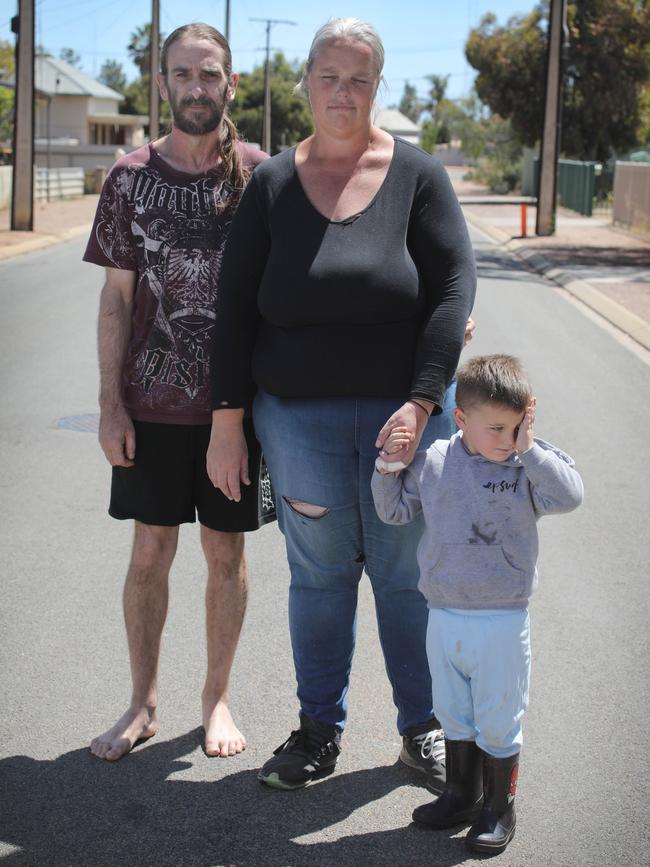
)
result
[(169, 485)]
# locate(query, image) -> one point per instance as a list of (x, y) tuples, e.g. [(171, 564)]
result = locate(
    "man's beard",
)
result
[(201, 126)]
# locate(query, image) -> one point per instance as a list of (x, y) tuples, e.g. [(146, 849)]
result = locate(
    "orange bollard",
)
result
[(524, 220)]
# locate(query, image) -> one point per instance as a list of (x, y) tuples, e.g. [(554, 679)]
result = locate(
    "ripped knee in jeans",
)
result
[(307, 510)]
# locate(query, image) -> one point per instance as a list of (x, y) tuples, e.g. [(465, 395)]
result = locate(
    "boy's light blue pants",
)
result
[(480, 672)]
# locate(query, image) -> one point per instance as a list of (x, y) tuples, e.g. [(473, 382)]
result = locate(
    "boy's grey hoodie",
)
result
[(479, 548)]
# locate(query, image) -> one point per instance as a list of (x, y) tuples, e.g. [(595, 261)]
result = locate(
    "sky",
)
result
[(420, 36)]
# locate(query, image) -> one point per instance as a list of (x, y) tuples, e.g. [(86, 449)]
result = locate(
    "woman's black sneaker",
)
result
[(308, 754), (425, 751)]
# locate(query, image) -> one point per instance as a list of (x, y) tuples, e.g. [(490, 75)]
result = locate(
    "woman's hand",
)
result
[(227, 457), (469, 332), (411, 420)]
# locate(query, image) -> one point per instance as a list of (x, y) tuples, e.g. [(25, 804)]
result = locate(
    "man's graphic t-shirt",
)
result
[(170, 228)]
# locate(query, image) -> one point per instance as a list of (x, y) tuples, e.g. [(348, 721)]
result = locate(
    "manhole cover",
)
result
[(82, 423)]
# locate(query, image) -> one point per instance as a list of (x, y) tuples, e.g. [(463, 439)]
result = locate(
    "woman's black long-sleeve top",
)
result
[(373, 305)]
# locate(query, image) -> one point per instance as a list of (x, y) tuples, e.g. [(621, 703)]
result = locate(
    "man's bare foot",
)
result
[(135, 725), (222, 737)]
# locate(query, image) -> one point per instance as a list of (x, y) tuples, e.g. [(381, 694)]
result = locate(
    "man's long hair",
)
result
[(236, 172)]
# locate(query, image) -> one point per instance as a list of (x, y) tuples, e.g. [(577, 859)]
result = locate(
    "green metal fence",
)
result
[(575, 185), (576, 182)]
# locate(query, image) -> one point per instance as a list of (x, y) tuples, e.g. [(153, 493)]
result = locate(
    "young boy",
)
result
[(481, 494)]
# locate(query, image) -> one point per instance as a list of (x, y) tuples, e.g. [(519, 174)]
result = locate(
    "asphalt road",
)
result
[(583, 791)]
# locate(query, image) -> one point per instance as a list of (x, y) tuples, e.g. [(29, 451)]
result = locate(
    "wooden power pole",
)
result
[(22, 194), (154, 62), (266, 118), (547, 190)]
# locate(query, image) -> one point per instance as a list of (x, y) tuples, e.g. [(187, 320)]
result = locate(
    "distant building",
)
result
[(74, 107), (398, 124)]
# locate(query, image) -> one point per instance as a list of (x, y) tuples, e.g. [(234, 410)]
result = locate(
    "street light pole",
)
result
[(266, 118), (547, 190), (227, 33)]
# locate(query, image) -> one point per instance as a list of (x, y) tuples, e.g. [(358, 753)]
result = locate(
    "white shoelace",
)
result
[(432, 744)]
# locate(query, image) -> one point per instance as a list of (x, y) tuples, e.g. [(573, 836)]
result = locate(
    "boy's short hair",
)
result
[(493, 378)]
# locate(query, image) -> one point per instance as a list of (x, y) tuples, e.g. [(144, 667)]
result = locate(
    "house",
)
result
[(398, 124), (73, 107)]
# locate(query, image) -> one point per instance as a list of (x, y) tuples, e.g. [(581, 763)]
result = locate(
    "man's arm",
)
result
[(116, 433)]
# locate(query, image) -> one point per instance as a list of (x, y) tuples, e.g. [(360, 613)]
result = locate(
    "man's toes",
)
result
[(118, 749), (99, 748), (113, 754), (222, 748), (212, 748)]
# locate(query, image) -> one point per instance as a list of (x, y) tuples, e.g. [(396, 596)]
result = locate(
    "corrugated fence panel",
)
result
[(576, 185), (631, 205), (63, 183)]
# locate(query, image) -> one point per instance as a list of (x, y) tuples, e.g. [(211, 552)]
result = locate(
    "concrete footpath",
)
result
[(53, 222), (604, 267)]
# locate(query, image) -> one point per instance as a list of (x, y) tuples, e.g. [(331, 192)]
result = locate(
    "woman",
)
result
[(346, 287)]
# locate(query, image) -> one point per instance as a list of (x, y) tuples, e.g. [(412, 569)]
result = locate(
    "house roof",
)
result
[(56, 77), (394, 121)]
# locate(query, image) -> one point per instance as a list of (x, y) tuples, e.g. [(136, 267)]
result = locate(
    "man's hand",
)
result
[(116, 433), (227, 457), (525, 439), (117, 437)]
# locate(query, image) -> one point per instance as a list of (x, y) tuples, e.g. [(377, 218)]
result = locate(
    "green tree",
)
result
[(607, 67), (136, 101), (644, 109), (410, 104), (70, 56), (436, 129), (437, 92), (112, 75), (499, 163), (6, 59), (139, 47), (290, 115), (136, 93), (6, 93)]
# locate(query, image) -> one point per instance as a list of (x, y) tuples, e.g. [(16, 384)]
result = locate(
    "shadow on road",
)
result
[(76, 810)]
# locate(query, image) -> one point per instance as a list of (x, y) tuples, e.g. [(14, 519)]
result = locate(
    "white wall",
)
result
[(67, 117), (83, 156), (98, 105)]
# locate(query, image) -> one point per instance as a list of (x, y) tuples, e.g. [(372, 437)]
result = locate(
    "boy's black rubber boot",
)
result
[(495, 826), (308, 754), (423, 749), (463, 795)]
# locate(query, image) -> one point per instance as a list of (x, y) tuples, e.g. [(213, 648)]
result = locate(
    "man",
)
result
[(159, 231)]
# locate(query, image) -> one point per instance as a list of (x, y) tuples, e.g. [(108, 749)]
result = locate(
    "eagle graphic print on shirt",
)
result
[(170, 228)]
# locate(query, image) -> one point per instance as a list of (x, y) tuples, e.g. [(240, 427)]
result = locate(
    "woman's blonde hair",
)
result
[(342, 28), (236, 172)]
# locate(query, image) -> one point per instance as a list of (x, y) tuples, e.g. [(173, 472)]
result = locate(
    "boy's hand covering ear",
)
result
[(525, 433)]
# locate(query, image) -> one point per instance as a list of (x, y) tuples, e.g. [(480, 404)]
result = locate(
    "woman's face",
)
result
[(342, 85)]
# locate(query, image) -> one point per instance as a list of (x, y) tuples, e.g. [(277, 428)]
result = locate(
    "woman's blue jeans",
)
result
[(322, 452)]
